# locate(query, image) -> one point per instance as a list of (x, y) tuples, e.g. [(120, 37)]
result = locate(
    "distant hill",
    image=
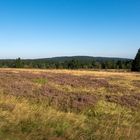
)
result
[(68, 58), (82, 58)]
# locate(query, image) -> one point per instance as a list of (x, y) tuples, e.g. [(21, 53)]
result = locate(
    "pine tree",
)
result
[(18, 63), (136, 62)]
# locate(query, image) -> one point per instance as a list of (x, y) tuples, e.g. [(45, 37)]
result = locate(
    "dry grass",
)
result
[(64, 104)]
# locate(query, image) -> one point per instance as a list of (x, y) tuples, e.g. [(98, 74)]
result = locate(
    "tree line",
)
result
[(67, 64)]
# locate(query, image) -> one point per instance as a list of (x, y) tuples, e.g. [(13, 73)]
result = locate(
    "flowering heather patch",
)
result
[(69, 105)]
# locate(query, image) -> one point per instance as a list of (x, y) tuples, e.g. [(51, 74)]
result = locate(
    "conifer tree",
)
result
[(136, 62)]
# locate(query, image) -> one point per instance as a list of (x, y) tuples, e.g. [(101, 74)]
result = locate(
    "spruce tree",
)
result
[(136, 62), (18, 63)]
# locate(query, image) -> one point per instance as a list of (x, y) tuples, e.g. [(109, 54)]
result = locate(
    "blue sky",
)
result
[(47, 28)]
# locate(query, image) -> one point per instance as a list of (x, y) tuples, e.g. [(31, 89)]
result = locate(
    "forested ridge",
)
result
[(75, 62)]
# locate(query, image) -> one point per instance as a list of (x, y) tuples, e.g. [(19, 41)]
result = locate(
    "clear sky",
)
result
[(47, 28)]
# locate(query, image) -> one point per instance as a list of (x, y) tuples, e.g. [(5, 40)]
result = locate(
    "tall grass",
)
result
[(20, 119)]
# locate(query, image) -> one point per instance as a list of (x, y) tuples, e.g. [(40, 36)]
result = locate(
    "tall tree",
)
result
[(18, 63), (136, 62)]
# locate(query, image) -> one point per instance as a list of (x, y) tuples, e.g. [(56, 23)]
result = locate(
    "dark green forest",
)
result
[(76, 62)]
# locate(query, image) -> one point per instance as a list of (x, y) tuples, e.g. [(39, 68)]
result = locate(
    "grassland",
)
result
[(69, 105)]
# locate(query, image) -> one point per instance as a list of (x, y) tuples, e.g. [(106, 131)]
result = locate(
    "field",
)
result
[(69, 105)]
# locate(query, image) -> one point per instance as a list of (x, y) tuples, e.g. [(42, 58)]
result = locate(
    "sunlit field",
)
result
[(69, 105)]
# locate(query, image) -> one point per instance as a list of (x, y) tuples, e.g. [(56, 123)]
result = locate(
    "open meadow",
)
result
[(69, 105)]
